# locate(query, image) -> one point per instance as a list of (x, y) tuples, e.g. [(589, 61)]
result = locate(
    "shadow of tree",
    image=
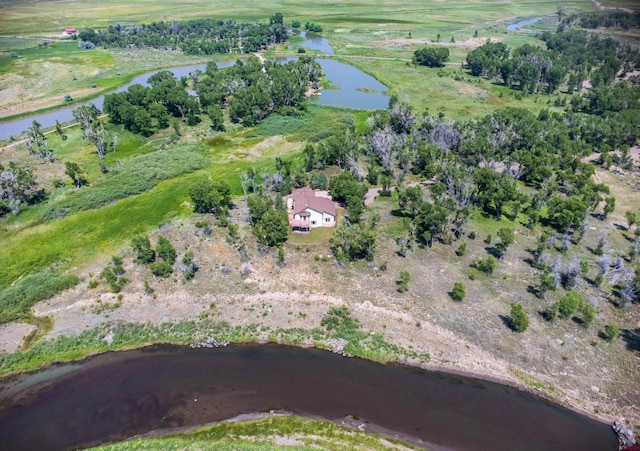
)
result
[(632, 339), (507, 321)]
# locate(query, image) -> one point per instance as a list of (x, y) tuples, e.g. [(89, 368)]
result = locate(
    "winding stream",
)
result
[(117, 395)]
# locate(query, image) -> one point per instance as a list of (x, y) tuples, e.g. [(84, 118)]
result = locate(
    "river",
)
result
[(116, 395), (356, 90)]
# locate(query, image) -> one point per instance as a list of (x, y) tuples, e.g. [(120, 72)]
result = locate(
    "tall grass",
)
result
[(136, 175), (16, 301)]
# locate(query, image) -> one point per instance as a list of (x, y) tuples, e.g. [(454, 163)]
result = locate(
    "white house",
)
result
[(309, 209)]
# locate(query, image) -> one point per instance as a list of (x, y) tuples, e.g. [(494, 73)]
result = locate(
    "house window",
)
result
[(313, 222), (327, 219)]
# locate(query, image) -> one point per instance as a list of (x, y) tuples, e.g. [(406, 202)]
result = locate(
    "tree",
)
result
[(93, 129), (318, 181), (459, 291), (632, 218), (60, 131), (74, 172), (569, 304), (588, 315), (507, 237), (519, 318), (344, 185), (217, 118), (609, 206), (410, 200), (547, 283), (272, 228), (403, 281), (166, 251), (37, 138), (142, 246), (431, 56), (612, 331), (17, 186), (211, 197)]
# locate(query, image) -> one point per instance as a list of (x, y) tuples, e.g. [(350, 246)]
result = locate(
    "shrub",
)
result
[(486, 265), (519, 318), (588, 315), (142, 246), (403, 281), (161, 269), (462, 249), (459, 291), (612, 331), (166, 251), (569, 304)]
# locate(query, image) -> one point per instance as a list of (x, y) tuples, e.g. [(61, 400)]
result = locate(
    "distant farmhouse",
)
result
[(309, 209), (70, 32)]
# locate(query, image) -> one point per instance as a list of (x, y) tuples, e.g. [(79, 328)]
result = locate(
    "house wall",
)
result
[(320, 219)]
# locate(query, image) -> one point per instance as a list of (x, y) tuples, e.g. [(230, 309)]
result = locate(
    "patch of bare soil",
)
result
[(12, 335), (19, 106), (408, 43)]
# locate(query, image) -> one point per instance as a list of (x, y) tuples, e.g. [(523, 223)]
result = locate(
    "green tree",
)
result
[(569, 304), (632, 218), (344, 185), (519, 318), (609, 206), (318, 181), (588, 315), (166, 251), (60, 131), (272, 229), (612, 331), (431, 56), (459, 291), (211, 197), (74, 172), (507, 237), (217, 118)]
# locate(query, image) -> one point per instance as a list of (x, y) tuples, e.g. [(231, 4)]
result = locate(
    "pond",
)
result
[(315, 42), (358, 90), (116, 395)]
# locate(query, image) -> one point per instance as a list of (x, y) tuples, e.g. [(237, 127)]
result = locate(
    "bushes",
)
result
[(486, 265), (16, 301), (403, 281), (164, 250), (519, 318), (113, 275), (459, 291)]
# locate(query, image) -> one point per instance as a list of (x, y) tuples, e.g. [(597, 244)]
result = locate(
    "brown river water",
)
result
[(116, 395)]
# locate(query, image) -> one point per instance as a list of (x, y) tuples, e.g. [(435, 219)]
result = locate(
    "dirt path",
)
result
[(611, 8)]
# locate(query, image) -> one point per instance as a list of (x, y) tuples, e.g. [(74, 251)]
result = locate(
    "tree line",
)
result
[(572, 56), (193, 37)]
